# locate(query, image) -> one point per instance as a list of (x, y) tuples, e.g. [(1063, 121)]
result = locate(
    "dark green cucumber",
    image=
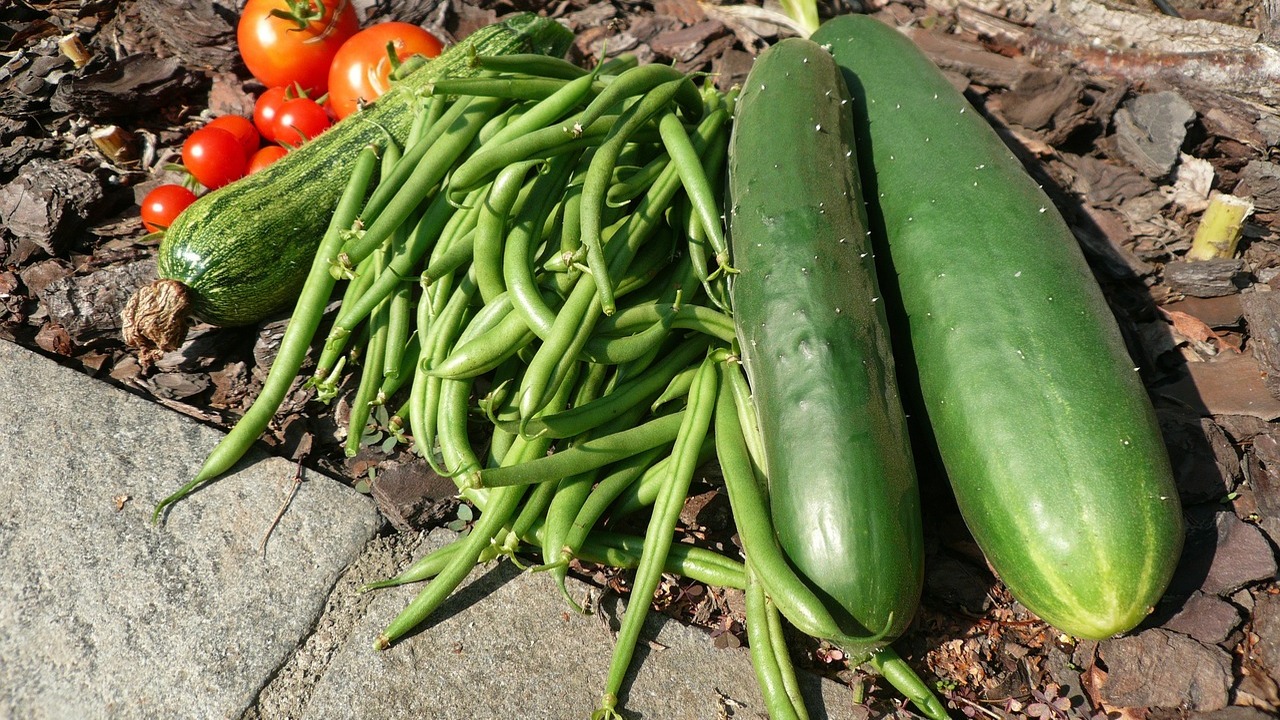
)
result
[(243, 251), (815, 344), (1039, 415)]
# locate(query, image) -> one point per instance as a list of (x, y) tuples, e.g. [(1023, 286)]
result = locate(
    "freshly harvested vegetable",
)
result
[(284, 42), (265, 156), (266, 107), (244, 130), (299, 120), (361, 70), (242, 252), (815, 344), (163, 204), (214, 157), (1039, 415)]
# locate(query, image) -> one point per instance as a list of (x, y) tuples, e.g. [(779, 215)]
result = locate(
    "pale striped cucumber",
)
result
[(1039, 415)]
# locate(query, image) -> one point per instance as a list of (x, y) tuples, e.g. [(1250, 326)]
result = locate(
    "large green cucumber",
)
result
[(242, 251), (815, 343), (1040, 418)]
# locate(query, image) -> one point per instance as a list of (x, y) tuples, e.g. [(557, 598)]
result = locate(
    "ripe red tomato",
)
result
[(265, 157), (298, 120), (266, 108), (214, 157), (297, 47), (361, 69), (242, 128), (163, 204)]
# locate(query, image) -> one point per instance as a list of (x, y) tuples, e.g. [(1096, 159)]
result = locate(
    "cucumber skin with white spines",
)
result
[(1041, 420), (244, 250), (814, 339)]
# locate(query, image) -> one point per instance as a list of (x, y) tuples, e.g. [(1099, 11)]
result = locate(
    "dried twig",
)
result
[(284, 505)]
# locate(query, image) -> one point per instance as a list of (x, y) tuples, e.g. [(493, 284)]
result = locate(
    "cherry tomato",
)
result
[(361, 69), (265, 157), (298, 43), (214, 157), (266, 108), (299, 120), (242, 128), (163, 204)]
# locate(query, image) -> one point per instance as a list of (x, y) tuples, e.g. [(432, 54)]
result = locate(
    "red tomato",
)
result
[(361, 69), (298, 120), (163, 204), (242, 128), (266, 108), (265, 157), (297, 47), (214, 157)]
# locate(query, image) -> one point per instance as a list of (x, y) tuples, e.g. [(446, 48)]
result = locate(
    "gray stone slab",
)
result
[(104, 615), (507, 646)]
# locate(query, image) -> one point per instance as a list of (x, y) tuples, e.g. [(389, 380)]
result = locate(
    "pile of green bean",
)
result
[(536, 280)]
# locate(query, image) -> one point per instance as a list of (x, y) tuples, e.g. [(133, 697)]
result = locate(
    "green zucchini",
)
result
[(815, 345), (241, 252), (1039, 415)]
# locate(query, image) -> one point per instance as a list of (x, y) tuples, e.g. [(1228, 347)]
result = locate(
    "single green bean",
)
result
[(370, 378), (509, 88), (501, 507), (293, 345), (591, 454), (530, 64), (409, 357), (488, 351), (695, 181), (899, 674), (763, 658), (522, 243), (491, 227), (695, 422), (548, 111), (790, 683), (399, 318), (677, 388)]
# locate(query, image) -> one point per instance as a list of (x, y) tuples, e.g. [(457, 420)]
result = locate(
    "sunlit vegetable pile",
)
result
[(535, 275)]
